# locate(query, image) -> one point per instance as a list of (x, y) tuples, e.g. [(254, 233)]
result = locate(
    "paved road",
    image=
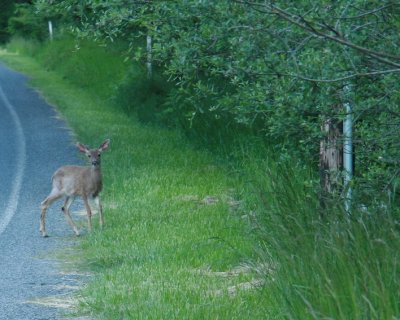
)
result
[(33, 143)]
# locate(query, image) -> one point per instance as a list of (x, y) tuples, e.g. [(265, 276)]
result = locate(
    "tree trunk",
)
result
[(331, 159), (149, 57)]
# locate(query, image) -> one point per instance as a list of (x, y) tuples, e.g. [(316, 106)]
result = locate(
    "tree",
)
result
[(6, 11), (275, 69)]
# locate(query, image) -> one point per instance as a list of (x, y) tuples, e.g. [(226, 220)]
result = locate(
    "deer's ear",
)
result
[(104, 145), (82, 147)]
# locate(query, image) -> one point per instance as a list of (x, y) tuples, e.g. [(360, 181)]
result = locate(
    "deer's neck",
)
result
[(96, 178)]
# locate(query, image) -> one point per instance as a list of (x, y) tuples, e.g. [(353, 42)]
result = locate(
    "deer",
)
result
[(71, 181)]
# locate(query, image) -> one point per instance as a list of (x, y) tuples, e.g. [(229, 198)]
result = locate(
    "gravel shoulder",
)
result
[(34, 143)]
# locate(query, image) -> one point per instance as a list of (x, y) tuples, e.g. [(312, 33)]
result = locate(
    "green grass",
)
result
[(93, 67), (330, 267), (174, 239), (187, 232)]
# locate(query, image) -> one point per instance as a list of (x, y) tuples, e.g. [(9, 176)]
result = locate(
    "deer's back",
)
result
[(77, 180)]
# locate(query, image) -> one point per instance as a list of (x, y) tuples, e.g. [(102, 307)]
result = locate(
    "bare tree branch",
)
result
[(351, 76), (367, 13), (311, 27)]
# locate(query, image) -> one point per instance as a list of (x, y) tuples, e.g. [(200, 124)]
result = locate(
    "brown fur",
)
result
[(73, 181)]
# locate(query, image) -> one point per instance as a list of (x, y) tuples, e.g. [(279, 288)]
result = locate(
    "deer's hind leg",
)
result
[(53, 196), (65, 209), (88, 211)]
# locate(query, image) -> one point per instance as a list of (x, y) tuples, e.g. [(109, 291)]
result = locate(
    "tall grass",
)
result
[(94, 67), (190, 237), (23, 46), (323, 267), (144, 97)]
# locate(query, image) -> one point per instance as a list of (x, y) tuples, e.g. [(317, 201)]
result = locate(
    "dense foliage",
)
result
[(273, 70), (7, 10), (276, 70), (5, 13)]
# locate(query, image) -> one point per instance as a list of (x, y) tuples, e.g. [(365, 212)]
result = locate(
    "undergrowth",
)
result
[(323, 265), (193, 235)]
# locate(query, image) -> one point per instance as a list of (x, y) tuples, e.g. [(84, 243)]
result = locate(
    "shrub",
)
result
[(25, 23), (144, 97)]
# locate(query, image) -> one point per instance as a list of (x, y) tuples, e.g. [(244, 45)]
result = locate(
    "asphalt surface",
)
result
[(34, 142)]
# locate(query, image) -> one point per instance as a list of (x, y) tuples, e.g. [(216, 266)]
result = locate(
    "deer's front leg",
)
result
[(100, 207), (89, 213)]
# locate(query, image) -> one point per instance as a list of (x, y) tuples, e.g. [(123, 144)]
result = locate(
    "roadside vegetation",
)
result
[(177, 242), (212, 193)]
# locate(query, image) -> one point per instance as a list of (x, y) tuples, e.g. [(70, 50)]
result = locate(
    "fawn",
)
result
[(72, 181)]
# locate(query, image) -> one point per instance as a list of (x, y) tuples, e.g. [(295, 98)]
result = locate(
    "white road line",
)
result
[(12, 204)]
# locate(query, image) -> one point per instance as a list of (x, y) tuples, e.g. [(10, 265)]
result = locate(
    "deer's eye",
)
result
[(89, 155)]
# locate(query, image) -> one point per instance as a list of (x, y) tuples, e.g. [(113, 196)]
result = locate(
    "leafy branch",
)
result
[(319, 30)]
